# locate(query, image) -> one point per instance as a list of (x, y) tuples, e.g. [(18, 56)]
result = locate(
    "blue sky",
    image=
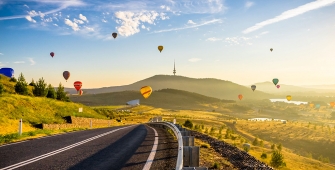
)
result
[(224, 39)]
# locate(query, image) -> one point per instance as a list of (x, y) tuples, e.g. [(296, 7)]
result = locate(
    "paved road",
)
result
[(127, 147)]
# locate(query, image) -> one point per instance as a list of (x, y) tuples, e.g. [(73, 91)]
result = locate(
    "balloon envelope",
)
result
[(240, 96), (146, 91), (9, 72), (253, 87), (77, 85), (52, 54), (317, 106), (278, 86), (332, 104), (80, 92), (160, 48), (114, 35), (271, 49), (311, 105), (275, 81), (288, 97), (66, 75)]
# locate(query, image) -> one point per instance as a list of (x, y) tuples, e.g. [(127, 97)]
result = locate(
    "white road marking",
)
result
[(153, 152), (20, 164)]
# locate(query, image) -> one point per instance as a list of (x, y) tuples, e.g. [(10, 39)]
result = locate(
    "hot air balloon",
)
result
[(114, 35), (253, 87), (317, 106), (160, 48), (80, 92), (146, 91), (52, 54), (311, 105), (271, 49), (66, 75), (77, 85), (288, 97), (240, 96), (275, 81), (332, 104), (278, 86)]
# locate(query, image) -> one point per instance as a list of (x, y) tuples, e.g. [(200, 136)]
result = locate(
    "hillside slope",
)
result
[(209, 87), (165, 98), (34, 110)]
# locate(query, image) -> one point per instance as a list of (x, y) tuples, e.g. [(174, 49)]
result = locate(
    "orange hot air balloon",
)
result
[(332, 104), (160, 48), (77, 85), (311, 105), (240, 96), (80, 92)]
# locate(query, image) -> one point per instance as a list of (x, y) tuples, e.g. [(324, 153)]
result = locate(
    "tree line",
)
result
[(40, 88)]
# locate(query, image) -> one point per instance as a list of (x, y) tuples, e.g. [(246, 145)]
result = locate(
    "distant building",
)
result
[(134, 102)]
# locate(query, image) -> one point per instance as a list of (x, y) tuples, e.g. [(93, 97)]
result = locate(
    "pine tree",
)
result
[(277, 159), (255, 142), (40, 88), (51, 92), (61, 95), (32, 83), (21, 85)]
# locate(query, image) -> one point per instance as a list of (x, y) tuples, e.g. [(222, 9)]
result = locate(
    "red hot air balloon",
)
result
[(278, 86), (240, 96), (52, 54), (77, 85)]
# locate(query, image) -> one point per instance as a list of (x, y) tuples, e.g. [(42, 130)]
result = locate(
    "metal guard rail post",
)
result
[(179, 165)]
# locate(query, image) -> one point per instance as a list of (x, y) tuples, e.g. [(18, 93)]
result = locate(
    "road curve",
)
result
[(126, 147)]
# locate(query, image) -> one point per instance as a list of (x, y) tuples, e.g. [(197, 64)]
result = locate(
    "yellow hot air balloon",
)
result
[(288, 97), (311, 105), (160, 48), (146, 91)]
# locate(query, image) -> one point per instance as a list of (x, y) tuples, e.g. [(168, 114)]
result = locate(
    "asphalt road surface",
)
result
[(127, 147)]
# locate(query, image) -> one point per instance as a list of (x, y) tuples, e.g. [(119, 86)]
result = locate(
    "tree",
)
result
[(273, 146), (21, 85), (40, 88), (255, 142), (261, 143), (61, 95), (264, 155), (1, 88), (13, 79), (51, 92), (277, 159), (32, 83), (188, 124), (279, 147)]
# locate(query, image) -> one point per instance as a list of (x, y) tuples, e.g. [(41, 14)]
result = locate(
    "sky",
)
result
[(223, 39)]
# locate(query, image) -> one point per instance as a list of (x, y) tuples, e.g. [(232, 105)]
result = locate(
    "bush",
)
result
[(245, 148), (1, 88), (255, 142), (51, 92), (264, 156), (32, 83), (13, 79), (277, 159), (21, 86), (216, 166), (188, 124)]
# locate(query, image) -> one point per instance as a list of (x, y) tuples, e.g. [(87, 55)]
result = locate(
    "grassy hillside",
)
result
[(209, 87), (165, 98), (34, 110)]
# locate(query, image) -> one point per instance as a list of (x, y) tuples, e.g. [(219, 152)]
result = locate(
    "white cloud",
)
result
[(47, 20), (130, 21), (74, 26), (291, 13), (82, 17), (18, 62), (1, 54), (248, 4), (193, 26), (26, 5), (213, 39), (194, 60), (190, 22), (163, 6), (103, 20), (143, 26), (1, 64), (32, 62), (263, 33), (78, 21), (238, 40), (89, 29), (55, 25), (30, 19)]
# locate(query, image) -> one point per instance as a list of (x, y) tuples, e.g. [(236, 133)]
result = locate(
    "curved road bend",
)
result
[(126, 147)]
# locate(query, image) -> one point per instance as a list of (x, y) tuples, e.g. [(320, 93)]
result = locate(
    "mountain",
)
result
[(207, 86), (165, 98), (269, 87), (326, 86)]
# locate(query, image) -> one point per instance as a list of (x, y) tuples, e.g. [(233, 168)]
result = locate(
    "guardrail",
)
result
[(179, 165)]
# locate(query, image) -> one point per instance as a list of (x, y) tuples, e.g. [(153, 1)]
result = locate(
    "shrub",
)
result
[(264, 156), (277, 159), (21, 86), (13, 79), (51, 92), (188, 124), (40, 88)]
